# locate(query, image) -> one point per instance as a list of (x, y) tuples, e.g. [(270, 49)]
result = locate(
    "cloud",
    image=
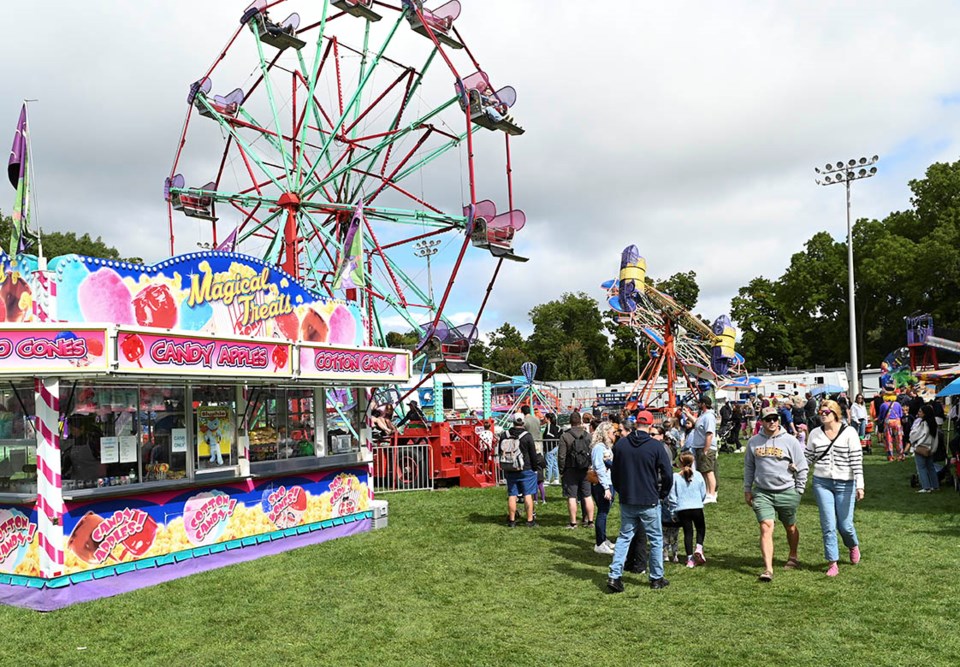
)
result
[(687, 128)]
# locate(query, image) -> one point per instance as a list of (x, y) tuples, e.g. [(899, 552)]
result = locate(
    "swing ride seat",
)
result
[(482, 98), (198, 205), (442, 344), (281, 35), (225, 105), (360, 8), (169, 184), (496, 232), (439, 20)]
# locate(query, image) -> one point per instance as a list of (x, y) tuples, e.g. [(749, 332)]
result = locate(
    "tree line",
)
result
[(904, 264)]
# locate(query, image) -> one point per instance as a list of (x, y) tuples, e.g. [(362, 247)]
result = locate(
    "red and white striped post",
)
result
[(43, 298), (50, 507)]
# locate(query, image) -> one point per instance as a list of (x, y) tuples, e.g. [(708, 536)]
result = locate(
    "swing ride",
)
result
[(690, 352)]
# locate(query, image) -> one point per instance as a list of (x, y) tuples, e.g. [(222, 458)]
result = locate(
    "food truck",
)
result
[(157, 421)]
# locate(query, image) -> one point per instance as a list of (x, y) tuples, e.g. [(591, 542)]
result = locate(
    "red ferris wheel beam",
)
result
[(386, 264), (375, 102)]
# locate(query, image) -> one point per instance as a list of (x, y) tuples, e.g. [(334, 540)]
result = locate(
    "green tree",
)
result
[(406, 340), (682, 287), (621, 365), (571, 362), (56, 244), (573, 317), (507, 350), (764, 342)]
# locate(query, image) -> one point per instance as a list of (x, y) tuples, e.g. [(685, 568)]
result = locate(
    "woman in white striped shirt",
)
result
[(835, 457)]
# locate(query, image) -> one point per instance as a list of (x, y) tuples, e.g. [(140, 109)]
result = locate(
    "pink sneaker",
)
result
[(699, 558), (855, 555), (690, 562), (833, 570)]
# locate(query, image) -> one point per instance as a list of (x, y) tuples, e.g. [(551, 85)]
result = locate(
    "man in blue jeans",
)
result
[(642, 475)]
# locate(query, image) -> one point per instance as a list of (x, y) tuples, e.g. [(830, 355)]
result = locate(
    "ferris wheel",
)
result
[(346, 137)]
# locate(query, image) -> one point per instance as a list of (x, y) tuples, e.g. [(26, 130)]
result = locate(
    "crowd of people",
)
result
[(662, 470)]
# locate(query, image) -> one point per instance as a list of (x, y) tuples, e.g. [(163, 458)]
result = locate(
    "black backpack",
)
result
[(578, 453)]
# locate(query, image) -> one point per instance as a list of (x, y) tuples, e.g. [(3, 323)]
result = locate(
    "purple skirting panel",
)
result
[(49, 599)]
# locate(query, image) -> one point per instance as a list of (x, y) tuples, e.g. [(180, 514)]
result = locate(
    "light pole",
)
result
[(638, 357), (427, 248), (840, 172)]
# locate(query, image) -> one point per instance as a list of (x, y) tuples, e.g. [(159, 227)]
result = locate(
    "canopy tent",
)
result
[(951, 389)]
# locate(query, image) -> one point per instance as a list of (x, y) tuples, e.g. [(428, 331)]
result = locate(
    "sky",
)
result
[(690, 129)]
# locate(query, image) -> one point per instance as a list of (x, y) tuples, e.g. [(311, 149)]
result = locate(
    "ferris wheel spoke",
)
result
[(386, 180), (406, 101), (387, 141), (313, 104), (356, 95), (433, 155), (259, 226), (312, 78), (268, 85)]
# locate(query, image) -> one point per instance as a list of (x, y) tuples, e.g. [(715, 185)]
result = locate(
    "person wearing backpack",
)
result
[(517, 456), (573, 457)]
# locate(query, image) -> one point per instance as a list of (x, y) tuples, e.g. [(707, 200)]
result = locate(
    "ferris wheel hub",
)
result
[(289, 201)]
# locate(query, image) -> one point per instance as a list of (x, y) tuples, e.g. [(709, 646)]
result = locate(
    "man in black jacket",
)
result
[(642, 475), (520, 482)]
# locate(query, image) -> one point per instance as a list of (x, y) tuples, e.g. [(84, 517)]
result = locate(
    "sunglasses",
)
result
[(824, 413), (771, 418)]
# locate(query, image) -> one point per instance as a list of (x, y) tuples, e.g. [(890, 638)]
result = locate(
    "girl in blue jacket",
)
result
[(686, 503)]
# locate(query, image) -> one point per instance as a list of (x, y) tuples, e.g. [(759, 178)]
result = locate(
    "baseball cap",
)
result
[(517, 417), (645, 417), (769, 411)]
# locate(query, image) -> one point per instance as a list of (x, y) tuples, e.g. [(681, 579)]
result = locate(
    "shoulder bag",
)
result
[(843, 428)]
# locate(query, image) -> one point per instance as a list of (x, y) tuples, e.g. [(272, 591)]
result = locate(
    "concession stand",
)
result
[(157, 421)]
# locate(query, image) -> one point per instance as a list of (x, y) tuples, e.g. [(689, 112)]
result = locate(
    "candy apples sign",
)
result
[(182, 355)]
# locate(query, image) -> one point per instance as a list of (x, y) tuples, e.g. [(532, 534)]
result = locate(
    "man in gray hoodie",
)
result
[(774, 476)]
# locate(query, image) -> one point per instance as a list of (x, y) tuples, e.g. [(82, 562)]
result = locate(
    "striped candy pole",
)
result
[(367, 435), (46, 292), (50, 507)]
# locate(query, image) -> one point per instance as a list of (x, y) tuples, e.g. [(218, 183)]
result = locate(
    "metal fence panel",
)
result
[(402, 468)]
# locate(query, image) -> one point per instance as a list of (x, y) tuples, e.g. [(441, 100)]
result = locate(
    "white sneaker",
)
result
[(710, 499), (610, 545), (603, 549)]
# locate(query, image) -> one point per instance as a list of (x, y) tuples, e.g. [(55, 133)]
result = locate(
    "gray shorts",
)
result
[(575, 484)]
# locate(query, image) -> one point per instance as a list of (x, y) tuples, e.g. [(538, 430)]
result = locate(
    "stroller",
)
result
[(729, 436)]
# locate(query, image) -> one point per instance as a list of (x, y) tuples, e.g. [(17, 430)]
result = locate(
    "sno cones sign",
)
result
[(350, 272)]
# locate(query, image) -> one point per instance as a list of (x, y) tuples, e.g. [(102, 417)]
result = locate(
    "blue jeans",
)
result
[(926, 472), (862, 428), (649, 517), (836, 499), (603, 509), (553, 468)]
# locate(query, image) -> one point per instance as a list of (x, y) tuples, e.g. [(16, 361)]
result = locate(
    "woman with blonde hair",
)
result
[(601, 458), (835, 457)]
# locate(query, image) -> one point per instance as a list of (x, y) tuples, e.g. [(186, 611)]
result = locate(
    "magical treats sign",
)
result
[(139, 351), (369, 363)]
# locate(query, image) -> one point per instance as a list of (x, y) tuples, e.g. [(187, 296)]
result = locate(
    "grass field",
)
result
[(448, 584)]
